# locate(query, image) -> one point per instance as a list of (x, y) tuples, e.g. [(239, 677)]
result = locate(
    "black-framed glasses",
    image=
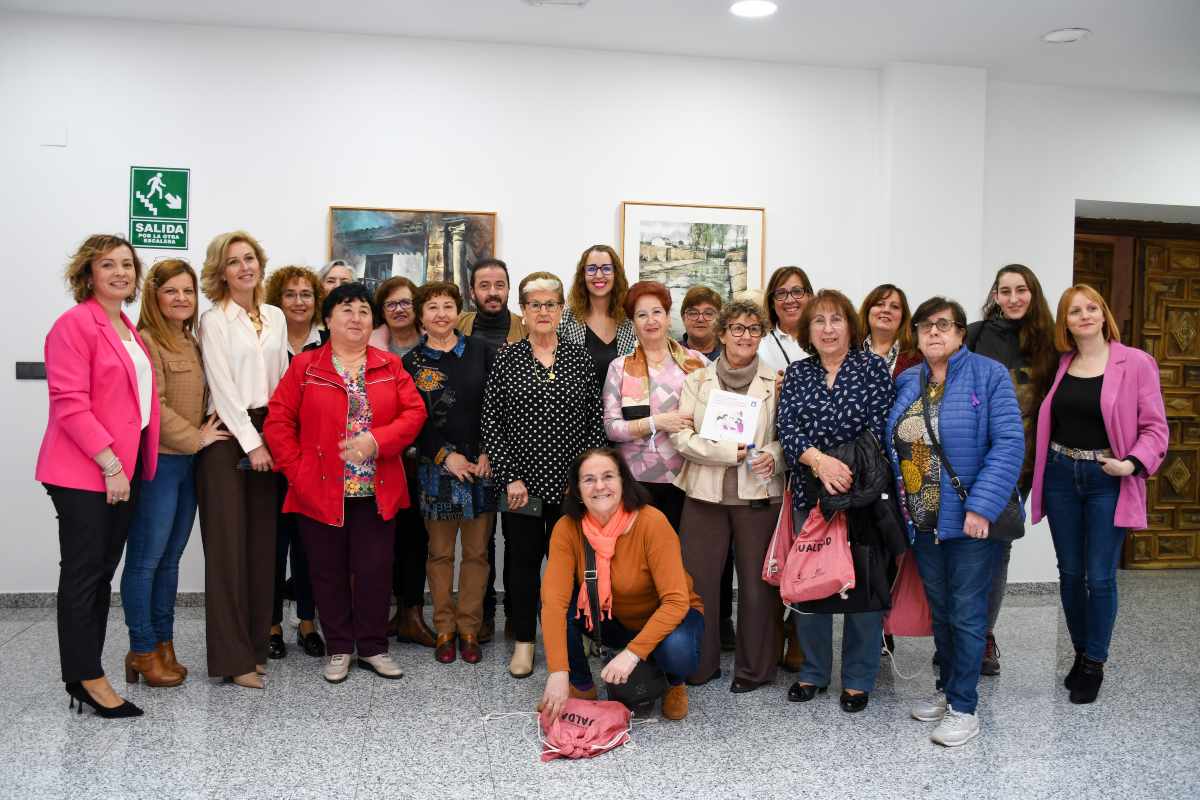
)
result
[(603, 269), (695, 313), (538, 307), (396, 305), (739, 330), (796, 293), (943, 325)]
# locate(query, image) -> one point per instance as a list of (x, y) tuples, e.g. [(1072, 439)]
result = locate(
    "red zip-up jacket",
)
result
[(306, 420)]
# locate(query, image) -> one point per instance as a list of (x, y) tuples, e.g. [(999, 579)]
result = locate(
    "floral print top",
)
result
[(359, 478), (920, 467)]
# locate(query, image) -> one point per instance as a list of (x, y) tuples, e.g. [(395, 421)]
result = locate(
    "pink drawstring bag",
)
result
[(910, 614), (584, 729), (781, 542), (819, 564)]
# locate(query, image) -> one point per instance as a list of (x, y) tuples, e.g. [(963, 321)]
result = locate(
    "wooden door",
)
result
[(1167, 321), (1094, 266)]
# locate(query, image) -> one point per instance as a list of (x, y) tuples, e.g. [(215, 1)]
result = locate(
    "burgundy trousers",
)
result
[(352, 614)]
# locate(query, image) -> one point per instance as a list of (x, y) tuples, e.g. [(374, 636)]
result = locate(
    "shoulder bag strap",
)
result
[(937, 446), (779, 344), (591, 579)]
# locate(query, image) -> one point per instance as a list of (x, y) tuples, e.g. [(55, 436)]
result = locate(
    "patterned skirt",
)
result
[(445, 497)]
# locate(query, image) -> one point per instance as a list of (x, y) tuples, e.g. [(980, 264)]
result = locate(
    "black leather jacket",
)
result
[(876, 530)]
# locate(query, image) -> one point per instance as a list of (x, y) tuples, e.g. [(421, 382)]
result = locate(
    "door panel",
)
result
[(1168, 325)]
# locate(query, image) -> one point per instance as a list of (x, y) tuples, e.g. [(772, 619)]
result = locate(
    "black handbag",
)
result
[(646, 682), (1010, 525)]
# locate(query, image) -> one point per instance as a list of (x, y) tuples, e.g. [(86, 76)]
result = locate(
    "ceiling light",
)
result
[(753, 8), (1066, 35)]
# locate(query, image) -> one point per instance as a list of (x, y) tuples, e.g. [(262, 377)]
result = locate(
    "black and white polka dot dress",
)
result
[(537, 419)]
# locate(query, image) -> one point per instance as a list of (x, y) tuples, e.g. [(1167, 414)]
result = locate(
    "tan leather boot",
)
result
[(166, 651), (150, 667), (675, 702), (411, 627), (521, 665), (794, 658)]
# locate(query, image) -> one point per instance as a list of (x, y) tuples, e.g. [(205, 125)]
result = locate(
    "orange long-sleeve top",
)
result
[(651, 590)]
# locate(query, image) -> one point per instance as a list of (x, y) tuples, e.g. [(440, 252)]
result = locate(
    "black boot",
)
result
[(1069, 681), (1087, 683)]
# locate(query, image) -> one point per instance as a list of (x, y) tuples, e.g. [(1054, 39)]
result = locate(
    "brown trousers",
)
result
[(705, 531), (238, 513), (466, 615)]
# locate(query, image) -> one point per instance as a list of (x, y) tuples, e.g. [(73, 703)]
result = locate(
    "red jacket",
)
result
[(307, 418)]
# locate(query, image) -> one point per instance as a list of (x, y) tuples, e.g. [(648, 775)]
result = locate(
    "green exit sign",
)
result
[(158, 207)]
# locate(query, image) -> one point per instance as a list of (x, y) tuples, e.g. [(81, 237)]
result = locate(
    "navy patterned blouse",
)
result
[(813, 415)]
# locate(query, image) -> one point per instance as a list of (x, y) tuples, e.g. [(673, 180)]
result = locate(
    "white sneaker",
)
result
[(955, 729), (931, 710), (382, 665), (337, 667)]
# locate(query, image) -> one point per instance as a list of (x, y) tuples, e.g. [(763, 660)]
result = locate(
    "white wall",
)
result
[(277, 126)]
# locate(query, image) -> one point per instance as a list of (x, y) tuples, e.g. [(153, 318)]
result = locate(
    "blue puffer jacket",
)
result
[(979, 426)]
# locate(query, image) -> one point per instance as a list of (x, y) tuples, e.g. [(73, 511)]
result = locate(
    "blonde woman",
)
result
[(245, 352), (166, 509)]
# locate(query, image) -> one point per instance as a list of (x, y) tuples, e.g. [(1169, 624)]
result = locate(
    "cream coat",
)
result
[(702, 475)]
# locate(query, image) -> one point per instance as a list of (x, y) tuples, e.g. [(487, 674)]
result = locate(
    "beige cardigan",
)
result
[(705, 461), (181, 393)]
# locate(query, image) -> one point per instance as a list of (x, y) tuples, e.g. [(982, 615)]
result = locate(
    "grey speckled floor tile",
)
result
[(424, 735)]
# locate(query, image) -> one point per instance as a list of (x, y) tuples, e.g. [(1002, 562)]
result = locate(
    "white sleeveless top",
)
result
[(145, 377)]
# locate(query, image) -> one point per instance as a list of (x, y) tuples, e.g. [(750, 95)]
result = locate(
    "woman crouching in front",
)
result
[(647, 603)]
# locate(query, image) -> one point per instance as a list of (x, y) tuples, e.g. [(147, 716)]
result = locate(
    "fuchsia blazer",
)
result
[(1135, 418), (93, 402)]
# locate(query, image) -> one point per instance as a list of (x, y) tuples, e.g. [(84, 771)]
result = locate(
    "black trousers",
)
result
[(410, 551), (668, 498), (527, 540), (489, 594), (91, 538)]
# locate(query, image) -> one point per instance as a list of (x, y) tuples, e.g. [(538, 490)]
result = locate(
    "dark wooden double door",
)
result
[(1159, 313)]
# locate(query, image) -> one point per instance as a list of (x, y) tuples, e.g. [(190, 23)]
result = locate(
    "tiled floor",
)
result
[(425, 735)]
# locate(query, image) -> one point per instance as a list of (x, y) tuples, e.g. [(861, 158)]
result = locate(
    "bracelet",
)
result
[(817, 464), (110, 471), (114, 462), (653, 428)]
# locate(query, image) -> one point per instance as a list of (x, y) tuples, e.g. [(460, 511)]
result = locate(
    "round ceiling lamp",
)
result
[(1066, 35), (753, 9)]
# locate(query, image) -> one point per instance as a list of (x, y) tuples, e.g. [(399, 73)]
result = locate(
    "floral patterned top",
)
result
[(813, 415), (920, 467), (359, 478)]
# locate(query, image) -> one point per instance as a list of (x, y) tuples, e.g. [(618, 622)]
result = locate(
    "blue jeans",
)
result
[(162, 523), (678, 655), (957, 574), (1080, 501), (861, 634)]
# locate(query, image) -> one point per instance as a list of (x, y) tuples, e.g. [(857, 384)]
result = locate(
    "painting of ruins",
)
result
[(685, 245), (421, 245)]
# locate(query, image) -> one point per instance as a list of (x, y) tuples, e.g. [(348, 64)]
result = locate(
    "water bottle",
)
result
[(752, 481)]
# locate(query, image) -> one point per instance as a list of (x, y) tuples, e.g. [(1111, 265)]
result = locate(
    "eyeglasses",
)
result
[(694, 314), (592, 480), (796, 293), (306, 297), (654, 313), (538, 308), (944, 325), (592, 269), (739, 330), (396, 305)]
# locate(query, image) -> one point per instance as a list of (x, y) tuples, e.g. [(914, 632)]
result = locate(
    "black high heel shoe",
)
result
[(853, 703), (80, 695)]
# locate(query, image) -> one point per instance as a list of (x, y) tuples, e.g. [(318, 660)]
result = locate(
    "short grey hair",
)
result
[(337, 262), (740, 308), (540, 282)]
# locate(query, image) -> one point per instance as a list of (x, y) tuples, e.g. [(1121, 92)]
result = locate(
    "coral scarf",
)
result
[(603, 539)]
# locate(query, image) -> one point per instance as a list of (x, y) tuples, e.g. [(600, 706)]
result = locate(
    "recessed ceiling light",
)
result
[(753, 8), (1066, 35)]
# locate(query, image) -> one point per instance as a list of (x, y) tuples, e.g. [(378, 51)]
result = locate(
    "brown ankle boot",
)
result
[(413, 628), (793, 660), (675, 702), (166, 651), (150, 666)]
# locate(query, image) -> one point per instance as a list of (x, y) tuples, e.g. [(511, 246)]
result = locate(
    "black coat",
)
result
[(876, 530)]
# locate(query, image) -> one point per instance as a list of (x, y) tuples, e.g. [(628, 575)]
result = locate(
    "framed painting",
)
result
[(682, 245), (421, 244)]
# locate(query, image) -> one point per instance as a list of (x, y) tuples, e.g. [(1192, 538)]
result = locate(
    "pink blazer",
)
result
[(93, 402), (1131, 403)]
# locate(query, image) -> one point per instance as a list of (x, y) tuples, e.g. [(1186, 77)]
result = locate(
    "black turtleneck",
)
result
[(492, 328)]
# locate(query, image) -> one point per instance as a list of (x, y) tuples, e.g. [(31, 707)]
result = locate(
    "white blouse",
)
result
[(777, 349), (145, 377), (242, 367)]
